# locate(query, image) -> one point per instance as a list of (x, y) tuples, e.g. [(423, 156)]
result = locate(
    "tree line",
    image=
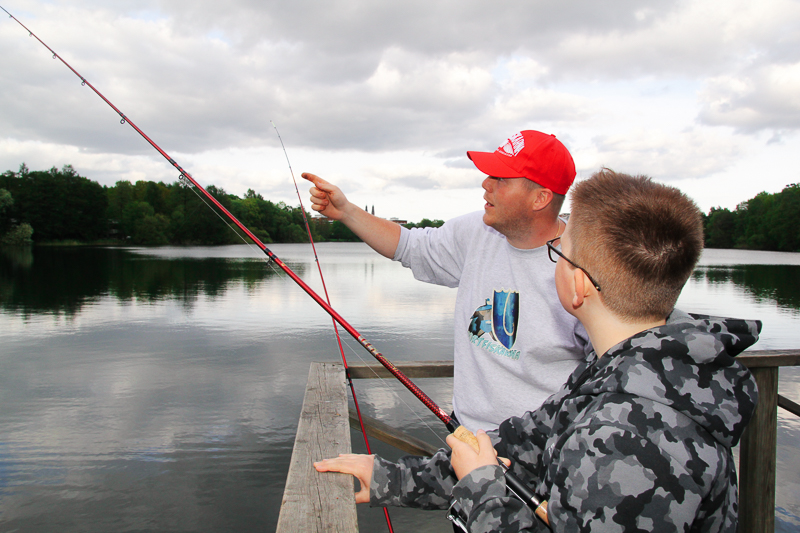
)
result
[(60, 205), (769, 221)]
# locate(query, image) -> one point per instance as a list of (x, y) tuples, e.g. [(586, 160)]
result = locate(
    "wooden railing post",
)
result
[(757, 458)]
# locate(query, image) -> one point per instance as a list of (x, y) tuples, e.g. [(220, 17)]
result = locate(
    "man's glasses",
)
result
[(553, 250)]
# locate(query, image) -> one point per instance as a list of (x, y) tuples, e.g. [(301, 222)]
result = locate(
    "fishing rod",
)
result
[(514, 484), (335, 327)]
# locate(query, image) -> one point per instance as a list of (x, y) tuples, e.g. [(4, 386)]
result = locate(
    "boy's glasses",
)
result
[(553, 250)]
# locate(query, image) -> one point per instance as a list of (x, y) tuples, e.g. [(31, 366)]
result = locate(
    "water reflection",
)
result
[(779, 284), (63, 280), (157, 389)]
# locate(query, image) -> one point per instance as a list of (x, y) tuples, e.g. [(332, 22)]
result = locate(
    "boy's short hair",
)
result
[(639, 239)]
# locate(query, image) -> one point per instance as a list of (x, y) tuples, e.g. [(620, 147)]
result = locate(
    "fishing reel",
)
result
[(456, 516)]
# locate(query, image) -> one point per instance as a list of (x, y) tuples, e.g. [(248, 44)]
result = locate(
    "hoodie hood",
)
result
[(691, 361)]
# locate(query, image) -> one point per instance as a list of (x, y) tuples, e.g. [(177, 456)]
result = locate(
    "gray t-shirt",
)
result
[(514, 343)]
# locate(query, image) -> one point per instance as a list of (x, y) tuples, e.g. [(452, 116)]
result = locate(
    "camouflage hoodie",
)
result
[(637, 440)]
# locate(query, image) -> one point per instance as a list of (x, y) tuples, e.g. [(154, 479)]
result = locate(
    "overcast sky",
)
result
[(385, 97)]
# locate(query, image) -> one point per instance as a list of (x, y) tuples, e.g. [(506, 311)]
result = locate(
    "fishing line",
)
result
[(435, 409), (217, 207), (335, 327), (513, 483), (387, 386)]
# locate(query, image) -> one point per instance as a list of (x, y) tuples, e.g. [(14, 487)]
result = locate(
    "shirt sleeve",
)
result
[(437, 255)]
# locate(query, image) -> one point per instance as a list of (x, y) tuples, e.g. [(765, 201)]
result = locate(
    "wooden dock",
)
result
[(314, 502), (317, 502)]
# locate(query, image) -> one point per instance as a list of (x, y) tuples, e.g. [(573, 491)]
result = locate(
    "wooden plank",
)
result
[(757, 458), (412, 369), (394, 437), (312, 501), (769, 358), (444, 369), (789, 405)]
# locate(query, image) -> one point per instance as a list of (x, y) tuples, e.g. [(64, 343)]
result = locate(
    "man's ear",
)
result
[(542, 198)]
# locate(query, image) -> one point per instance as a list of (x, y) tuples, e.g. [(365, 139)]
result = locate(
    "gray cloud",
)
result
[(347, 74), (436, 78)]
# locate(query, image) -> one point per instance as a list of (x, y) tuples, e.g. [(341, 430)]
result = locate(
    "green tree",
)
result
[(18, 235), (720, 226), (426, 223), (10, 233), (784, 219), (68, 206), (6, 203), (60, 204), (753, 225)]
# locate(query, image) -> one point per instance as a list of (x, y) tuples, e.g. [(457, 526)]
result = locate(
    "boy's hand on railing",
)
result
[(358, 465)]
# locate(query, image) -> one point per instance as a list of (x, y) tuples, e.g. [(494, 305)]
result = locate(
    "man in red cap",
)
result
[(514, 344)]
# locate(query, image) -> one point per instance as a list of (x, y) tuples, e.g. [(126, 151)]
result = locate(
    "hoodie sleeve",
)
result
[(603, 479), (422, 482), (428, 482)]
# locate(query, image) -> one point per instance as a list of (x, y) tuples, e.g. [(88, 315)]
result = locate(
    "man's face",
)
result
[(508, 204)]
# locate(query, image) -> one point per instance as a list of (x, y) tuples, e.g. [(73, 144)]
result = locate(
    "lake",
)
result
[(158, 389)]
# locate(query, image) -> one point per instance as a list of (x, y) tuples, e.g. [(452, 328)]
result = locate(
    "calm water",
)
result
[(158, 389)]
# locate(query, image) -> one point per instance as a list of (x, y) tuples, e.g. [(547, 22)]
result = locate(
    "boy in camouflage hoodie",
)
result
[(640, 436)]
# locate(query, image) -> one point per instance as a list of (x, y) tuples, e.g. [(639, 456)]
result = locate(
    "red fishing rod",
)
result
[(514, 484), (186, 177)]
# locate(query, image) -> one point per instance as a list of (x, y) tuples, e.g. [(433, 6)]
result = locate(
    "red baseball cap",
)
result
[(538, 156)]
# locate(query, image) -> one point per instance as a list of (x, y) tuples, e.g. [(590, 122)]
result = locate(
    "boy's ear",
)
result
[(580, 289), (583, 287)]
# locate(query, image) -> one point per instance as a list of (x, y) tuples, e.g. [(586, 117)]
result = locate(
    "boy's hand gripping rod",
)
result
[(460, 432)]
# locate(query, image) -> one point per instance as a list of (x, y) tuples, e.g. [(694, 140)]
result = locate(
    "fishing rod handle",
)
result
[(465, 435), (524, 493), (514, 484)]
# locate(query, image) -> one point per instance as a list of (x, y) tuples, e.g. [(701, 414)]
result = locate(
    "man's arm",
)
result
[(380, 234)]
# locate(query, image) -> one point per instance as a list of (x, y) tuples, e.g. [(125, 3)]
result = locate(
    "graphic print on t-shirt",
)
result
[(499, 318)]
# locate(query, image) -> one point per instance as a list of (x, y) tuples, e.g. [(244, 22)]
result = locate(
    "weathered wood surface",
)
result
[(769, 358), (394, 437), (757, 458), (412, 369), (789, 405), (314, 502)]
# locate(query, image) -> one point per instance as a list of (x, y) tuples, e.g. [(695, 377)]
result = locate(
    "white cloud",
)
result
[(768, 98), (666, 155)]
